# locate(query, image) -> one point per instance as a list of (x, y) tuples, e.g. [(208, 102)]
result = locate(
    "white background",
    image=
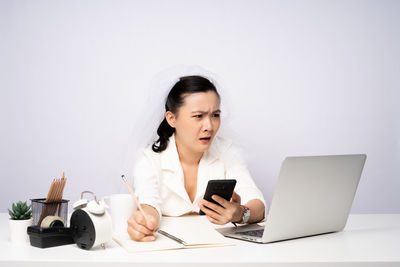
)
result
[(303, 78)]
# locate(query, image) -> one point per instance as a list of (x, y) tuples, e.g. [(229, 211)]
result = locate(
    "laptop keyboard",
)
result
[(255, 233)]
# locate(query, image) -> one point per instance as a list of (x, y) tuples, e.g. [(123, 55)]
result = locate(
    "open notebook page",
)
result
[(195, 230)]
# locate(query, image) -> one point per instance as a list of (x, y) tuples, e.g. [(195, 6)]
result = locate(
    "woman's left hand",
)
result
[(231, 211)]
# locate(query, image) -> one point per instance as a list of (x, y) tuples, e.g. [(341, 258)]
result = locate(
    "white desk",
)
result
[(368, 240)]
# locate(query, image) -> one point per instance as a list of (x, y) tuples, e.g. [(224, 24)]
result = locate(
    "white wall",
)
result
[(304, 78)]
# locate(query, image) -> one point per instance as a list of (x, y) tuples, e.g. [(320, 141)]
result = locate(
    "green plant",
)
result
[(20, 211)]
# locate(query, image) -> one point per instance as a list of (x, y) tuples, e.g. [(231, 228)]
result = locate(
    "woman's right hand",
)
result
[(141, 230)]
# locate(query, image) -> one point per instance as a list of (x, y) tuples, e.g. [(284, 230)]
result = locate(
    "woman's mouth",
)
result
[(205, 140)]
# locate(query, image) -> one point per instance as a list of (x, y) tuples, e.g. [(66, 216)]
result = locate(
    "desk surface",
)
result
[(368, 239)]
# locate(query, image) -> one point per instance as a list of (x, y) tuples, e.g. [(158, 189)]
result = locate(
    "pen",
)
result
[(180, 241), (134, 197)]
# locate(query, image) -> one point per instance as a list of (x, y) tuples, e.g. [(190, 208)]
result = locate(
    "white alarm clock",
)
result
[(90, 223)]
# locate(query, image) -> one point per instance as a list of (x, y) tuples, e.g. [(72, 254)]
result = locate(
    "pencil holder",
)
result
[(41, 209)]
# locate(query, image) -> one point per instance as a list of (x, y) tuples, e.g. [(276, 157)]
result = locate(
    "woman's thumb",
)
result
[(235, 197), (151, 224)]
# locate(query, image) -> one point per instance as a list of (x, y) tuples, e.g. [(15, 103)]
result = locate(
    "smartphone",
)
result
[(223, 188)]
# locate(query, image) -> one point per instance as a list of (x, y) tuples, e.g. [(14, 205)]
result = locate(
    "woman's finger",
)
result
[(151, 223), (212, 220), (210, 212), (235, 197), (212, 206), (135, 235), (142, 229), (139, 218), (148, 238), (224, 203)]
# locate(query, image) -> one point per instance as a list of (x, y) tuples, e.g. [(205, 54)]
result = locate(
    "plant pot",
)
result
[(18, 230)]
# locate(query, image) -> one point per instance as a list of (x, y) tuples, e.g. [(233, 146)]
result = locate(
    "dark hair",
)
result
[(185, 85)]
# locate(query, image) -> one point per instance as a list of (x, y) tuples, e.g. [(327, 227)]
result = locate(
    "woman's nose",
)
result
[(207, 124)]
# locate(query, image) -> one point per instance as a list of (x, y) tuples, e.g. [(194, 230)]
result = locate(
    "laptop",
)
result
[(313, 196)]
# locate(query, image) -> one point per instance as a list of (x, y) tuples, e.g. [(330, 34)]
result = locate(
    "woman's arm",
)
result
[(232, 211), (251, 195), (146, 183), (146, 187), (257, 210)]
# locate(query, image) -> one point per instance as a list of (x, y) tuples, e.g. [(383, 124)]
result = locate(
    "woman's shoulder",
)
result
[(220, 145), (147, 159), (225, 148), (149, 153)]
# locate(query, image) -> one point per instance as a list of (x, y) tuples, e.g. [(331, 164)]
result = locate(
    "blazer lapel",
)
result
[(210, 168), (173, 173)]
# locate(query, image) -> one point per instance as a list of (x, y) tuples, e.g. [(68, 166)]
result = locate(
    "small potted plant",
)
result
[(20, 219)]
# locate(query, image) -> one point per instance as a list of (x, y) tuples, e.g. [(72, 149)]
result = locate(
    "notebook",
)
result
[(194, 231)]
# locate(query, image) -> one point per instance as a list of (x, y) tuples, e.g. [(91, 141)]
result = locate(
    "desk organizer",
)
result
[(41, 209)]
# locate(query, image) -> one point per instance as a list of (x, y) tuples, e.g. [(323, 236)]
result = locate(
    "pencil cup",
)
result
[(41, 209)]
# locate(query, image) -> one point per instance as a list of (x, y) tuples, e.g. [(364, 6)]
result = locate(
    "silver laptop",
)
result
[(313, 196)]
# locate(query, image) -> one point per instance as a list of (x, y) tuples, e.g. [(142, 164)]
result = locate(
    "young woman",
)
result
[(172, 174)]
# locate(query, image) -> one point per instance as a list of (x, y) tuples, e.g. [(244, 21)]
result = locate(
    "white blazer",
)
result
[(159, 179)]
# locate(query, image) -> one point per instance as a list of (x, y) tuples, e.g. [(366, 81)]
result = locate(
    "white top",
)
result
[(159, 179)]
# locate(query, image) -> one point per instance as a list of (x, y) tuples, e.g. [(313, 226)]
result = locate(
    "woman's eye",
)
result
[(197, 116), (216, 115)]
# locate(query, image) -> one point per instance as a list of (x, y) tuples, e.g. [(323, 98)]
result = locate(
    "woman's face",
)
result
[(197, 121)]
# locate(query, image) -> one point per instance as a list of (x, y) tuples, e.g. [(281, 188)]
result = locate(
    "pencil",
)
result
[(135, 198)]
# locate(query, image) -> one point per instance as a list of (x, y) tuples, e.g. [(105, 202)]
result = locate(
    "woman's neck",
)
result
[(186, 155)]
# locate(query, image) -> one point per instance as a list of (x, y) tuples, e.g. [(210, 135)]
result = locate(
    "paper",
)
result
[(195, 230)]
